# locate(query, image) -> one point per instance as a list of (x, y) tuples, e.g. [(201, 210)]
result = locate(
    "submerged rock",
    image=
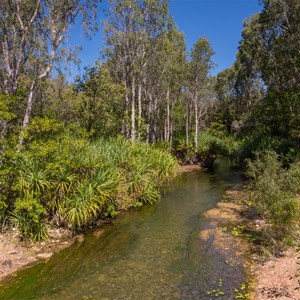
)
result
[(80, 238), (44, 255)]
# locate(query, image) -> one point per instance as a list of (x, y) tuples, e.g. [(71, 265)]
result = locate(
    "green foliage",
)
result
[(76, 182), (43, 129), (261, 140), (181, 150), (236, 231), (3, 208), (29, 217), (6, 103), (101, 110), (259, 96), (242, 292), (31, 179), (214, 143), (275, 195), (211, 145), (217, 292)]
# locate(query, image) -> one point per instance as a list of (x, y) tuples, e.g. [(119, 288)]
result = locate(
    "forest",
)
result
[(75, 152)]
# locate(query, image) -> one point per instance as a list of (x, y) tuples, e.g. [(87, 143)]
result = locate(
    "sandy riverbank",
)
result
[(16, 254), (271, 278)]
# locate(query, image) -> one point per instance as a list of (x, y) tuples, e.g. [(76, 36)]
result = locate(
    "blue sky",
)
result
[(220, 21)]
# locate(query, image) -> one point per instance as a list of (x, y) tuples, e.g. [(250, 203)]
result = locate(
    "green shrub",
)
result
[(261, 140), (29, 217), (274, 194), (3, 209), (212, 145)]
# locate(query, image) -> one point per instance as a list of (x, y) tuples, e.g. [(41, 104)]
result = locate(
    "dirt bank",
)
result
[(16, 254), (278, 278)]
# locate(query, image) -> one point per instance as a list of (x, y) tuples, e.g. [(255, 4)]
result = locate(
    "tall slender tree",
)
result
[(198, 79), (131, 31), (32, 35)]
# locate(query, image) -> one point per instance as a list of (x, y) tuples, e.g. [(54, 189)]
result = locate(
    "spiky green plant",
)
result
[(77, 184), (82, 207), (32, 179)]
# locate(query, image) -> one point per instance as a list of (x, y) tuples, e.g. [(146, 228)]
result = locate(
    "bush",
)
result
[(29, 217), (3, 208), (183, 152), (212, 145), (274, 195), (261, 140)]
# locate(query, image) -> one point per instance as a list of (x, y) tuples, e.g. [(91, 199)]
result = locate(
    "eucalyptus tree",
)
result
[(270, 52), (271, 42), (238, 93), (130, 32), (226, 96), (197, 81), (32, 35), (175, 61), (164, 80)]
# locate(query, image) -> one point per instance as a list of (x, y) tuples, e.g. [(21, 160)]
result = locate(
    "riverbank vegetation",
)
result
[(72, 152), (260, 105), (73, 182)]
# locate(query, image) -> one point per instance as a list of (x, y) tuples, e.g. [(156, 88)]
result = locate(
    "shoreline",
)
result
[(270, 277), (17, 255)]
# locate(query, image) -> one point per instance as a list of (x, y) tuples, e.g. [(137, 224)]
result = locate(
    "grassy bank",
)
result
[(73, 183)]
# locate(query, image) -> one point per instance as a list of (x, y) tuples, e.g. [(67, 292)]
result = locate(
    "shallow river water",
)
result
[(153, 252)]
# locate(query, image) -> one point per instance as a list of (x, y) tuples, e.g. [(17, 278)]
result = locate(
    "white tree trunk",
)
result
[(139, 110), (187, 127), (133, 133), (27, 115), (168, 117), (196, 125)]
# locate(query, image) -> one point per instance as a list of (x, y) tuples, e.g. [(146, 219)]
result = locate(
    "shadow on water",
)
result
[(149, 253)]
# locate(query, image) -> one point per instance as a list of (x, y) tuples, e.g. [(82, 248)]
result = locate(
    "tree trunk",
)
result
[(168, 117), (125, 125), (196, 126), (27, 115), (187, 127), (149, 113), (139, 109), (133, 109), (154, 125)]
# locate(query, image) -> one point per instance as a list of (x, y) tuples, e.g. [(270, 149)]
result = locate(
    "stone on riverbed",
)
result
[(44, 255)]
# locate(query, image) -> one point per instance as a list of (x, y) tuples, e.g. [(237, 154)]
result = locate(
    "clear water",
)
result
[(153, 252)]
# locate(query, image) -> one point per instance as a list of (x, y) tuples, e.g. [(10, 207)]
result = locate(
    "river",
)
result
[(152, 252)]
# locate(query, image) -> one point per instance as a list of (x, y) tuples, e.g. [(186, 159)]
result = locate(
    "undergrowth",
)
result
[(72, 182), (275, 195)]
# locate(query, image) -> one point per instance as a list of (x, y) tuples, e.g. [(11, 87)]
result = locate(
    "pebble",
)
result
[(80, 238)]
